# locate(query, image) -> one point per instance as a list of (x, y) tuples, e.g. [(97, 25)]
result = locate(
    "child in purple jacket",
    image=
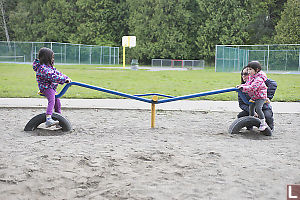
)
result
[(257, 90), (48, 78)]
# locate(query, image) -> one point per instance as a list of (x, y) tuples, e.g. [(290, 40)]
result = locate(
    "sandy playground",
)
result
[(114, 154)]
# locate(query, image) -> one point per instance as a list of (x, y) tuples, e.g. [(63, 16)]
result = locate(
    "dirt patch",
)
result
[(114, 154)]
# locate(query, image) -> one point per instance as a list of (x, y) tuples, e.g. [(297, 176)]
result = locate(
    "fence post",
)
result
[(60, 54), (79, 54), (31, 57), (268, 58), (216, 54), (299, 60), (100, 55), (114, 55), (109, 55), (90, 55), (65, 53), (223, 58), (264, 57), (285, 60), (15, 51), (238, 61)]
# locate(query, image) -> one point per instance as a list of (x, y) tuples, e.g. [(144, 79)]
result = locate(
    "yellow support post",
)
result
[(154, 99), (123, 57)]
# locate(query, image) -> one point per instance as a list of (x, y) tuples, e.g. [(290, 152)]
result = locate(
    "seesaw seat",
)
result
[(247, 121), (41, 118)]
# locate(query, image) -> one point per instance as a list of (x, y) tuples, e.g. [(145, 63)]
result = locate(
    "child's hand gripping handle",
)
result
[(68, 80)]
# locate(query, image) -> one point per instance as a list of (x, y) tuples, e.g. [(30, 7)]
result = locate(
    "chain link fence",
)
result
[(65, 53), (282, 57), (177, 63)]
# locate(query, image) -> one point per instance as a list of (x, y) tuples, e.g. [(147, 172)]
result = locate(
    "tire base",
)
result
[(41, 118)]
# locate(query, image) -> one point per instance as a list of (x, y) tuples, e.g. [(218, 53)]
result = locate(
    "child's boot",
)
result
[(50, 122), (263, 125)]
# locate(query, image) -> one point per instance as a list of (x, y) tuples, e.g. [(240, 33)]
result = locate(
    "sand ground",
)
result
[(114, 154)]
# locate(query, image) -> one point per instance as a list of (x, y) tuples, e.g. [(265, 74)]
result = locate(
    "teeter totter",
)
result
[(234, 128)]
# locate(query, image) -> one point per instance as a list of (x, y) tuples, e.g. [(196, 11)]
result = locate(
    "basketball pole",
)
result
[(123, 57)]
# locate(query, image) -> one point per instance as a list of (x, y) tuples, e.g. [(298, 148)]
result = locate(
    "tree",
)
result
[(5, 30), (264, 15), (288, 28), (47, 20), (58, 23), (26, 19), (4, 22), (164, 29), (221, 22), (100, 22)]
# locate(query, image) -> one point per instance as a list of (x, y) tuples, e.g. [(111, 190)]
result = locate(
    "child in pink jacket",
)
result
[(257, 90), (48, 78)]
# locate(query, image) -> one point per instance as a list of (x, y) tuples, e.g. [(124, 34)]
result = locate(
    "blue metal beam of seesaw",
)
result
[(139, 98)]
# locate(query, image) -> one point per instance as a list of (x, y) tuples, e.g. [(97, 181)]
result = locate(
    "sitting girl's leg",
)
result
[(258, 107), (251, 109), (269, 118)]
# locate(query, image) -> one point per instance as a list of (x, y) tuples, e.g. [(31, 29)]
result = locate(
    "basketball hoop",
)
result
[(129, 41)]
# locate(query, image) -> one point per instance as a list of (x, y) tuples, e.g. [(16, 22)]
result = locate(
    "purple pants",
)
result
[(53, 103)]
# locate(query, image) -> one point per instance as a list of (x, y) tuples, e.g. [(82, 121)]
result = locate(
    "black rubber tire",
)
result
[(41, 118), (242, 122)]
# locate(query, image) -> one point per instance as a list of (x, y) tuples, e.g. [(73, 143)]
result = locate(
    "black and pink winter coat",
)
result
[(48, 76), (255, 86)]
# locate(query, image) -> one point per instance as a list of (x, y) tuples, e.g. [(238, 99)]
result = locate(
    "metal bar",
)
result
[(102, 90), (275, 50), (136, 97), (197, 95), (204, 94), (151, 94)]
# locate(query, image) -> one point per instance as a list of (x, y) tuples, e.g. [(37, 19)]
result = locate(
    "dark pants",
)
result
[(257, 106), (268, 116)]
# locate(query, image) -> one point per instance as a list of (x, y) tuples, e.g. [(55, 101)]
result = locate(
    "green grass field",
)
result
[(18, 80)]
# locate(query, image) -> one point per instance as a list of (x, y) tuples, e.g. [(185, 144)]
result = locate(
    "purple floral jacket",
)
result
[(256, 87), (48, 76)]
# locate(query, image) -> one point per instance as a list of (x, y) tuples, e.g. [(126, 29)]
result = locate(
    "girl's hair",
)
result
[(254, 65), (45, 56)]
